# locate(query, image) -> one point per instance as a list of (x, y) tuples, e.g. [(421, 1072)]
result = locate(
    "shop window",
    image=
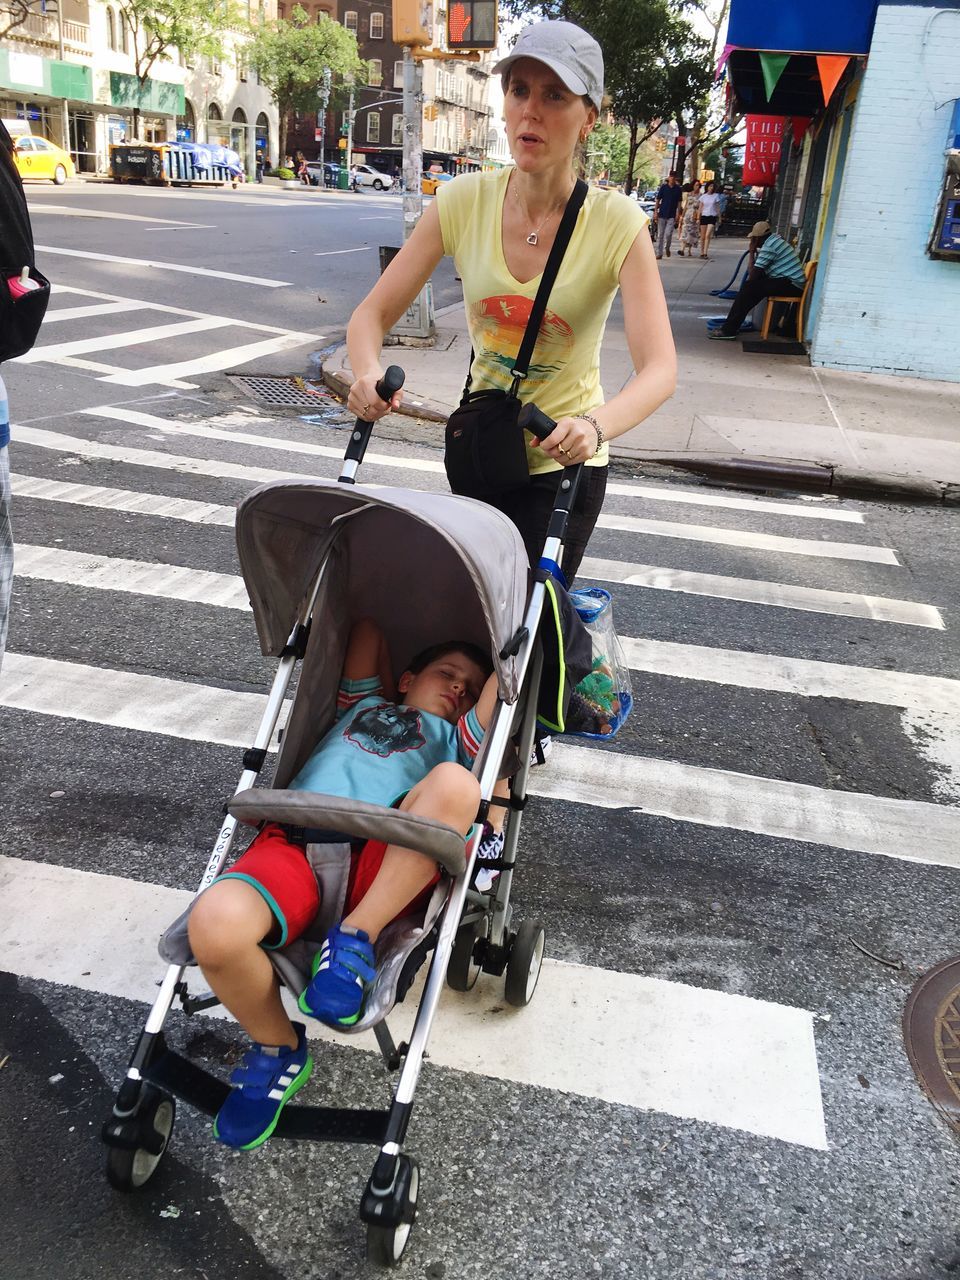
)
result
[(373, 127), (376, 26)]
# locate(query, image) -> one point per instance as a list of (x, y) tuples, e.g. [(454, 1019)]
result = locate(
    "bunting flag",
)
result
[(831, 67), (772, 65), (761, 155), (798, 127), (722, 61)]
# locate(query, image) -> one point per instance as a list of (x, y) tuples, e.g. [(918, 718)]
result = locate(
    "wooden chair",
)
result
[(809, 272)]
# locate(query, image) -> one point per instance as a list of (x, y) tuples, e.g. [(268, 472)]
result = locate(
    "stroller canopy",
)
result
[(428, 567)]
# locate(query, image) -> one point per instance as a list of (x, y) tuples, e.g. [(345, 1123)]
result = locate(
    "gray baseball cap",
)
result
[(566, 49)]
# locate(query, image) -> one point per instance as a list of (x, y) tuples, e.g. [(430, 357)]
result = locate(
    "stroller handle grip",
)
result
[(535, 421), (387, 387)]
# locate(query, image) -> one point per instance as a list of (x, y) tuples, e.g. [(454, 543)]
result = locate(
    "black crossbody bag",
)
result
[(484, 450)]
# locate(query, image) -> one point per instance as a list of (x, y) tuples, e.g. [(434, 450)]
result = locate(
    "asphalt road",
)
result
[(739, 892)]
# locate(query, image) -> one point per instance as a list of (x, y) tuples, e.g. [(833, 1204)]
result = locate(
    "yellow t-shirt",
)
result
[(564, 374)]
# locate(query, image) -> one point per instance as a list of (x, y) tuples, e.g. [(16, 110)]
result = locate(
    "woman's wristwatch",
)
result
[(597, 428)]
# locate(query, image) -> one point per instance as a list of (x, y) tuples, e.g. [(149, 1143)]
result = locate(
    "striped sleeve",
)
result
[(352, 691), (469, 737)]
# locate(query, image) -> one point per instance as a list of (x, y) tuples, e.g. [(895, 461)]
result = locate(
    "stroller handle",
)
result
[(387, 387), (540, 424)]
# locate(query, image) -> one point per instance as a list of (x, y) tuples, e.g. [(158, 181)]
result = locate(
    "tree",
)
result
[(14, 13), (290, 58), (709, 116)]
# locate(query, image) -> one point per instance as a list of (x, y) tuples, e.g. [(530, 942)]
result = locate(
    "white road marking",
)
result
[(132, 338), (87, 255), (749, 540), (804, 676), (112, 573), (214, 360), (628, 1039), (106, 499), (187, 226), (331, 253), (96, 309), (849, 604), (912, 830), (138, 304), (72, 211), (805, 510)]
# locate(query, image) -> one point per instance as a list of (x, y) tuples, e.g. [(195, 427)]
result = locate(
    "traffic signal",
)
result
[(471, 24), (411, 22)]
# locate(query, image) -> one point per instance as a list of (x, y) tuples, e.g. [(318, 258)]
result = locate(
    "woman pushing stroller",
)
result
[(410, 747)]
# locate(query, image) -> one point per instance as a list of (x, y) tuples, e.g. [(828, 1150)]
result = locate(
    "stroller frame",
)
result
[(472, 934)]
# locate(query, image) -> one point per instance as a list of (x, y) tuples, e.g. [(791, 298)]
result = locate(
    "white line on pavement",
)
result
[(97, 309), (106, 499), (804, 676), (331, 253), (138, 304), (165, 266), (172, 224), (628, 1040), (132, 338), (749, 540), (912, 830), (848, 604), (112, 573), (231, 358), (803, 508)]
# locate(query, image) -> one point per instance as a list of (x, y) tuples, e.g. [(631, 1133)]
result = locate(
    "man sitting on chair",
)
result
[(776, 271)]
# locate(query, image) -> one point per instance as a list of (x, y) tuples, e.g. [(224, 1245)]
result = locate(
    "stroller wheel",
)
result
[(523, 967), (131, 1166), (464, 969), (386, 1245)]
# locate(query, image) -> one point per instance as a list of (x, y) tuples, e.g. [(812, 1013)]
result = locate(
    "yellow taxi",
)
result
[(430, 181), (39, 158)]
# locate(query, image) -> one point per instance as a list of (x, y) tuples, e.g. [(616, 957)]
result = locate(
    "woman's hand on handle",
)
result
[(364, 402), (571, 442)]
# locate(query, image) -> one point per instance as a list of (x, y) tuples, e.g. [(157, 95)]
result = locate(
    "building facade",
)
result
[(73, 78)]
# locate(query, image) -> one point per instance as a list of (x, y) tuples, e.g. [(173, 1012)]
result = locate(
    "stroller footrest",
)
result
[(353, 818)]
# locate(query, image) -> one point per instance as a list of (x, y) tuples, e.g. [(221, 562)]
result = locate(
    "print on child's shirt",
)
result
[(386, 729), (498, 325)]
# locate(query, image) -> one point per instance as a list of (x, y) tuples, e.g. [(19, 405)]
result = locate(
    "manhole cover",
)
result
[(931, 1030), (287, 393)]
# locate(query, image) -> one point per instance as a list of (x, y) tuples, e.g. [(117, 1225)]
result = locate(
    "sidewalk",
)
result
[(762, 418)]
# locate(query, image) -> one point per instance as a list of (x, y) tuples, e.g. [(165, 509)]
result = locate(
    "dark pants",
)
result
[(752, 292), (529, 508)]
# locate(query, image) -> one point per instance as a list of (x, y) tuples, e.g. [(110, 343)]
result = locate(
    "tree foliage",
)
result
[(290, 58)]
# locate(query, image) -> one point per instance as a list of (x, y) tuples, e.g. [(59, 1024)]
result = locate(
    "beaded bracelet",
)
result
[(597, 428)]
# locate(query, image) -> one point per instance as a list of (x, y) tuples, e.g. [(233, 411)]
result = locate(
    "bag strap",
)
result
[(550, 272)]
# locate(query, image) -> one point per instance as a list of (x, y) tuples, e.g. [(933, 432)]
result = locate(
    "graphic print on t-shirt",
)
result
[(386, 729), (498, 324)]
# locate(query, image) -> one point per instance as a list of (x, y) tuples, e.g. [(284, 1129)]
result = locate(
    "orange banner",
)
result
[(831, 67)]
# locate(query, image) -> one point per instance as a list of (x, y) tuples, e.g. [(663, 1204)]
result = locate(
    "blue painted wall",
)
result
[(802, 26)]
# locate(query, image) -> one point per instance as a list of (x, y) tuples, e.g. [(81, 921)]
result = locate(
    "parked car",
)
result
[(40, 158), (367, 176), (430, 181)]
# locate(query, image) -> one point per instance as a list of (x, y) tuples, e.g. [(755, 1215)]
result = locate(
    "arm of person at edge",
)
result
[(646, 322)]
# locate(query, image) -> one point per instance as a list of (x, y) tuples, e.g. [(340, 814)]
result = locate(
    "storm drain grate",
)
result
[(288, 393), (931, 1030)]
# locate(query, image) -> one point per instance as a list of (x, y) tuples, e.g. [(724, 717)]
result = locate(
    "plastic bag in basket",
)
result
[(602, 700)]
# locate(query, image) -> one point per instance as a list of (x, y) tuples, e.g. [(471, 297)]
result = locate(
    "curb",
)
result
[(339, 381)]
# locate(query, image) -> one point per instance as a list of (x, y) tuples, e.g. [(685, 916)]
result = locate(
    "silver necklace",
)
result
[(532, 237)]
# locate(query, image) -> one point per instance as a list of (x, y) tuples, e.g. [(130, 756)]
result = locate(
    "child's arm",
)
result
[(367, 657), (487, 701), (474, 724)]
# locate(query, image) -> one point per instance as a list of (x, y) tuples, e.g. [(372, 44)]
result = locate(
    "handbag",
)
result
[(484, 450)]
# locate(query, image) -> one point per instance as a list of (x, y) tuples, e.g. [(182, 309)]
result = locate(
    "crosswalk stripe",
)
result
[(88, 255), (804, 676), (112, 573), (137, 304), (628, 1040), (779, 595), (214, 360), (95, 309), (912, 830), (107, 499), (132, 338), (800, 507), (749, 540)]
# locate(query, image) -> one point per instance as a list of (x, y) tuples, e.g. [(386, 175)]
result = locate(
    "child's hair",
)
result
[(438, 651)]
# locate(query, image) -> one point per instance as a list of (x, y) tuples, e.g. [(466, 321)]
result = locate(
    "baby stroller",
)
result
[(316, 555)]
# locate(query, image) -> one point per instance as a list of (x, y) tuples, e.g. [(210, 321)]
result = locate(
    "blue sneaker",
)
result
[(343, 970), (267, 1080)]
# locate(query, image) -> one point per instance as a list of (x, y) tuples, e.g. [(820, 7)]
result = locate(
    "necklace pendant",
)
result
[(532, 238)]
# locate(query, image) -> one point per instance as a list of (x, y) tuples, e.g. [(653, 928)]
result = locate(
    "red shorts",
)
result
[(278, 869)]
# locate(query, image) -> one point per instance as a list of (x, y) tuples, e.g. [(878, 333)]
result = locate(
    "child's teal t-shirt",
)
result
[(379, 749)]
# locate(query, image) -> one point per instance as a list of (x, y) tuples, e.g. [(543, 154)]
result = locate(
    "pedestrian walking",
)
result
[(690, 219), (709, 212), (775, 271), (665, 213), (260, 166), (499, 227)]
